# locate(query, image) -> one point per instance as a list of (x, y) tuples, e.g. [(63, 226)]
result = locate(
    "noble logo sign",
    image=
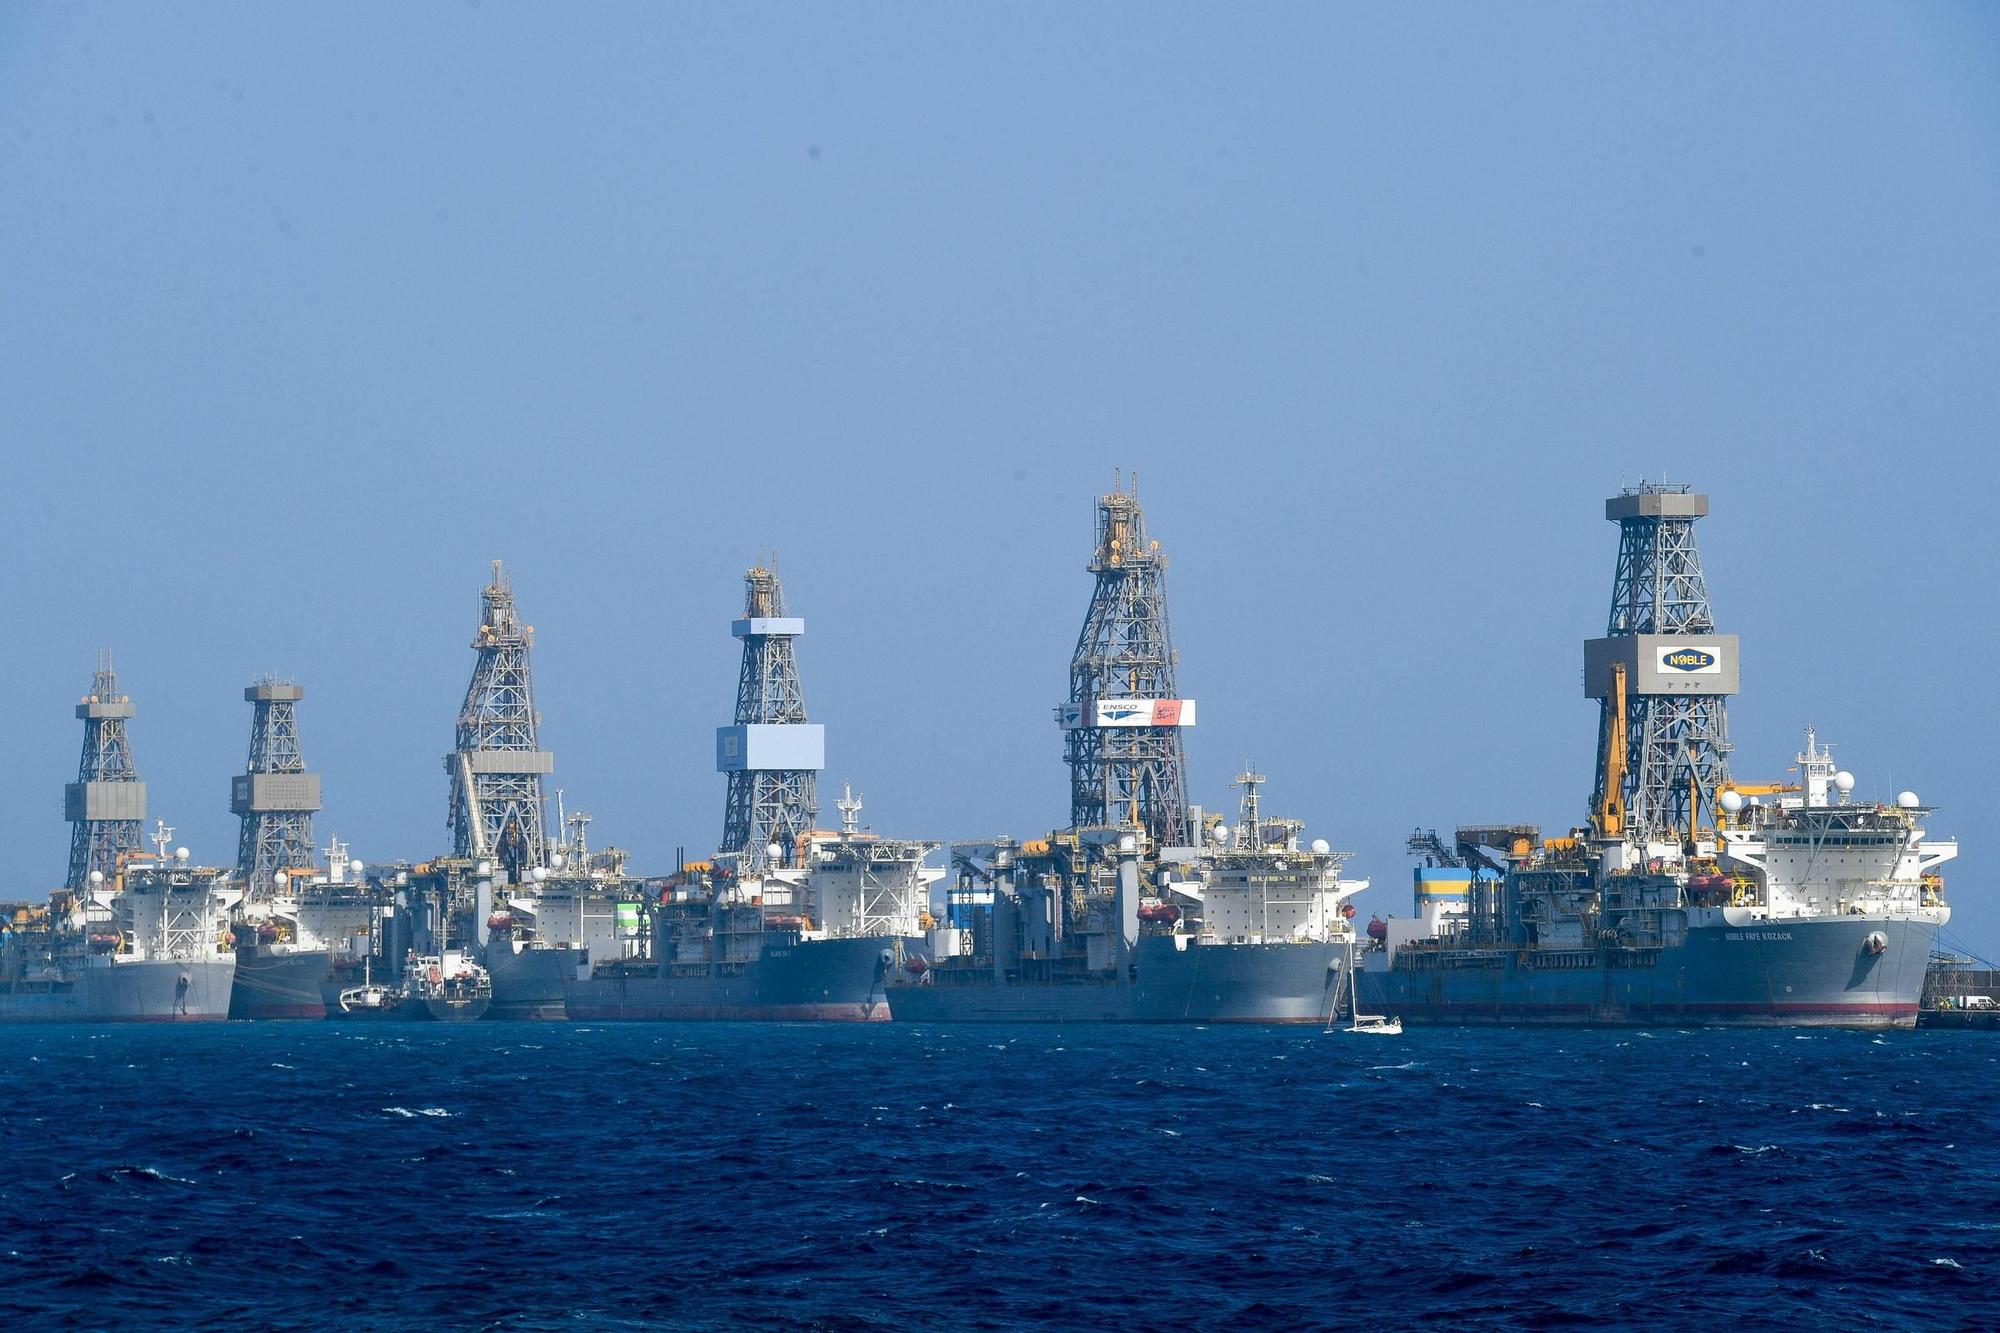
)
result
[(1690, 659)]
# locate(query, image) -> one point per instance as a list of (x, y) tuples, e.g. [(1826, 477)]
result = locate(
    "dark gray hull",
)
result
[(529, 983), (279, 985), (823, 980), (128, 992), (1211, 983), (1812, 973)]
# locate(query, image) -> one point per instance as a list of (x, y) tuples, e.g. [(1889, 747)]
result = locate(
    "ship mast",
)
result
[(1677, 672), (274, 796), (498, 765), (770, 754), (1123, 721), (107, 802)]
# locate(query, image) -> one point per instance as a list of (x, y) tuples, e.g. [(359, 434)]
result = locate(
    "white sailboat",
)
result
[(1374, 1025)]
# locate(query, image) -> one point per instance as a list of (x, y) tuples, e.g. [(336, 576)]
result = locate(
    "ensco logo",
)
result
[(1688, 659)]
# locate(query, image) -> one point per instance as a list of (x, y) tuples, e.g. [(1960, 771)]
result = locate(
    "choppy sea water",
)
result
[(525, 1176)]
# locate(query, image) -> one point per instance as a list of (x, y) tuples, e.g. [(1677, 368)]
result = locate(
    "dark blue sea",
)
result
[(518, 1176)]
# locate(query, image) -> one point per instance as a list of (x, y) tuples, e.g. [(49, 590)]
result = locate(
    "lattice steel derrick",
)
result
[(1124, 774), (106, 805), (497, 803), (1677, 729), (274, 796), (772, 754)]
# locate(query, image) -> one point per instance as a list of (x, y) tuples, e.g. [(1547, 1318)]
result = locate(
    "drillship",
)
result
[(298, 928), (786, 921), (1086, 926), (1142, 910), (1686, 898), (150, 943), (543, 933), (307, 937), (813, 941)]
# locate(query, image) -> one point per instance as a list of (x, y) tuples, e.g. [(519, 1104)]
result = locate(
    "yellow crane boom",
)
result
[(1608, 819)]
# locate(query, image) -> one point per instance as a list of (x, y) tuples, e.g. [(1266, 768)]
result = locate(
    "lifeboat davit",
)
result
[(500, 921), (1378, 929), (915, 966), (103, 943), (1163, 912), (1347, 910)]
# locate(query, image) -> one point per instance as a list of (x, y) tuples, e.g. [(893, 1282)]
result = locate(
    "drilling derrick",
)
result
[(1661, 654), (772, 755), (1124, 717), (274, 796), (107, 802), (497, 769)]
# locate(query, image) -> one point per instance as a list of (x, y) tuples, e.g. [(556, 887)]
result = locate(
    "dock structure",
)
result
[(771, 754), (1124, 718), (497, 803), (106, 805)]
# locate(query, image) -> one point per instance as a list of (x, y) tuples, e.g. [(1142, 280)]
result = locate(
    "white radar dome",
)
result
[(541, 873), (1221, 833), (1844, 780), (279, 879), (557, 860), (1321, 846), (774, 851), (97, 877), (1908, 800), (1732, 801), (181, 854), (357, 867)]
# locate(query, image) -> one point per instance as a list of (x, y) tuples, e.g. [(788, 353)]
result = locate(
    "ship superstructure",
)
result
[(1684, 898), (149, 942), (1821, 853)]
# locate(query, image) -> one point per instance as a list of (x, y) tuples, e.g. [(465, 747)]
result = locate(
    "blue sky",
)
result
[(307, 312)]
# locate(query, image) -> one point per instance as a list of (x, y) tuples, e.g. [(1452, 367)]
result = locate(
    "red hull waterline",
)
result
[(730, 1013), (1736, 1015)]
